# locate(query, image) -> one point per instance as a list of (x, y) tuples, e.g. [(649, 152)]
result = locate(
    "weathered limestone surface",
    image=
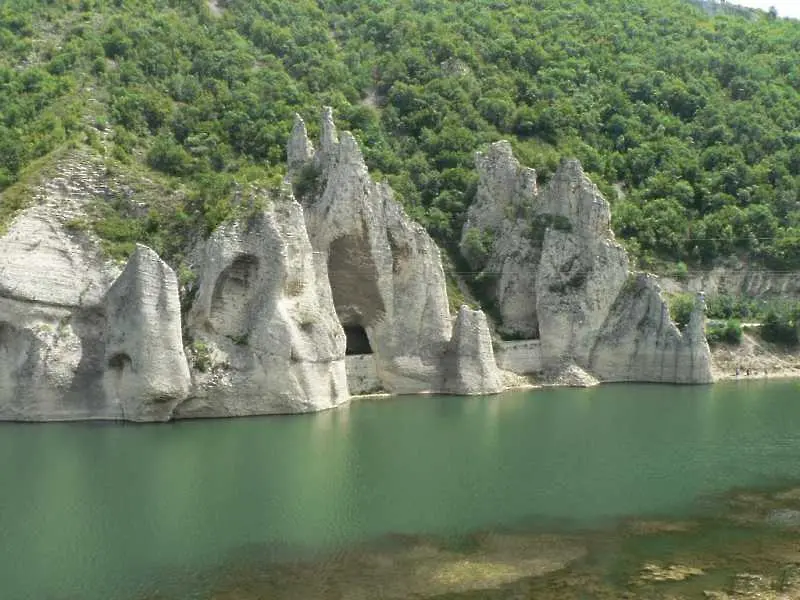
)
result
[(146, 372), (69, 327), (738, 279), (562, 278), (502, 212), (93, 349), (640, 342), (519, 356), (52, 283), (385, 271), (266, 337), (362, 376), (469, 366)]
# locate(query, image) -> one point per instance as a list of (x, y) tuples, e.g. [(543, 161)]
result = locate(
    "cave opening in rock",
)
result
[(230, 301), (119, 362), (353, 276), (357, 340)]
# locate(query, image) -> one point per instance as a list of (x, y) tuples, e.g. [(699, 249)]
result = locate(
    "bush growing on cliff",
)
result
[(307, 180), (729, 332), (680, 309), (477, 247)]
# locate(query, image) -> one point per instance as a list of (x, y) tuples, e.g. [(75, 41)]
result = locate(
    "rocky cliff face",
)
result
[(77, 339), (468, 366), (263, 322), (279, 291), (385, 271), (738, 279), (560, 276), (284, 293), (145, 374)]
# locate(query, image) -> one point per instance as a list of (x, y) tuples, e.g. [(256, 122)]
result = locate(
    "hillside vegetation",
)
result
[(689, 123)]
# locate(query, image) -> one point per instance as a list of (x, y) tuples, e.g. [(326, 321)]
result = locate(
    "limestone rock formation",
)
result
[(52, 283), (384, 270), (560, 276), (469, 366), (639, 341), (146, 372), (266, 337), (93, 349), (497, 233), (69, 326)]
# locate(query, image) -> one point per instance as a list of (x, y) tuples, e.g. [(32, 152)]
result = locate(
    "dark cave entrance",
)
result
[(353, 276), (357, 340), (119, 362)]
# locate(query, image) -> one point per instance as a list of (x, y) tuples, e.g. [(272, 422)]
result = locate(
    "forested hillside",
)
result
[(689, 123)]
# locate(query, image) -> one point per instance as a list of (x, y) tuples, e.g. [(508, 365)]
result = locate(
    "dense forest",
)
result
[(689, 123)]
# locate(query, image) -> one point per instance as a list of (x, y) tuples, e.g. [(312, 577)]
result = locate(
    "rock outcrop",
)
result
[(146, 374), (95, 350), (385, 271), (469, 366), (77, 339), (263, 322), (560, 276), (52, 283), (639, 341), (738, 279), (284, 293)]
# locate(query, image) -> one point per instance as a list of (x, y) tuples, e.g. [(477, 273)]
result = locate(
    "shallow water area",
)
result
[(418, 496)]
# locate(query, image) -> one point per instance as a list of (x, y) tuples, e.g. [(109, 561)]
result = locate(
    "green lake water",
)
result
[(120, 512)]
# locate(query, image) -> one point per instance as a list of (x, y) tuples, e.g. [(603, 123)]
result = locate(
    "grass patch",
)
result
[(21, 195)]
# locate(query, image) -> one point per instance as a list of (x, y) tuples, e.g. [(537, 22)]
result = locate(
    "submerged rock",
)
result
[(653, 573), (414, 568), (560, 276)]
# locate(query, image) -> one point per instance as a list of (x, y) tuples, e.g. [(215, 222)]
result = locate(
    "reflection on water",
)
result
[(114, 512)]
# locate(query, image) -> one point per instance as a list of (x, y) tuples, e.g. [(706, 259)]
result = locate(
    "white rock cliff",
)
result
[(384, 270), (558, 275), (264, 323), (284, 291)]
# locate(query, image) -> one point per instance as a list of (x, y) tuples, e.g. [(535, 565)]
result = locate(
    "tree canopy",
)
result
[(689, 123)]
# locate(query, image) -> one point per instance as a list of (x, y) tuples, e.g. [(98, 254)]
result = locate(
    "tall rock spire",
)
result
[(299, 149)]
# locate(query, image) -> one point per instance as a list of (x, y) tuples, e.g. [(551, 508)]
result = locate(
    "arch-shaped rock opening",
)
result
[(120, 362), (353, 276), (7, 331), (231, 298), (357, 340)]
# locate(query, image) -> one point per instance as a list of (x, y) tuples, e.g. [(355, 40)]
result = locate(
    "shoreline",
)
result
[(719, 377), (782, 375)]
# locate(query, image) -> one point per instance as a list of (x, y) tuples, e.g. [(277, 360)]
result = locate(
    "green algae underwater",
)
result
[(620, 491)]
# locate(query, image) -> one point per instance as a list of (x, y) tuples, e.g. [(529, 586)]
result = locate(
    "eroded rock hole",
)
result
[(353, 275), (119, 362), (7, 332), (357, 340), (231, 298)]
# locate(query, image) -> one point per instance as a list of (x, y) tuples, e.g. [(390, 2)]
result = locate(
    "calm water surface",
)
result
[(111, 512)]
